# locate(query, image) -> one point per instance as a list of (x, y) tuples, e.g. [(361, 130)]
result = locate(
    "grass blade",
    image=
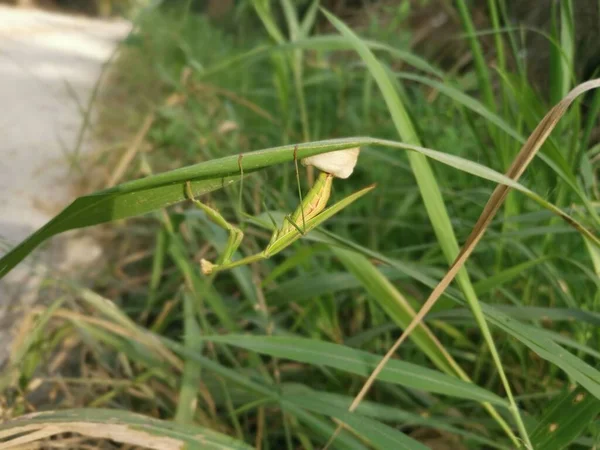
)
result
[(383, 413), (395, 306), (116, 425), (378, 434), (564, 420), (190, 381), (347, 359), (481, 69)]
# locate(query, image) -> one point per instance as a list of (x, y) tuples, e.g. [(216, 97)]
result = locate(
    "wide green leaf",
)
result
[(350, 360)]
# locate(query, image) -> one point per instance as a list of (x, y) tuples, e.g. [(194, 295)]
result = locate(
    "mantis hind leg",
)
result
[(235, 234)]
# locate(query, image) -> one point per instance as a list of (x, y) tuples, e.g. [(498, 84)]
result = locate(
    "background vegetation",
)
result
[(270, 356)]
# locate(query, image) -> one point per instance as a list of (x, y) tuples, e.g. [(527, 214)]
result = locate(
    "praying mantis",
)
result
[(310, 213)]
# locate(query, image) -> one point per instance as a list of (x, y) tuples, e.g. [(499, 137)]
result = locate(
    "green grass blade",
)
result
[(594, 252), (158, 260), (127, 200), (347, 359), (190, 380), (562, 56), (35, 333), (322, 428), (394, 304), (263, 9), (500, 278), (291, 17), (564, 419), (378, 434), (309, 18), (385, 413), (481, 69)]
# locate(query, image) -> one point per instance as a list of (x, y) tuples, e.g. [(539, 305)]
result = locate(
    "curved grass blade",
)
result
[(190, 380), (554, 159), (319, 43), (116, 425), (396, 307), (347, 359), (500, 278)]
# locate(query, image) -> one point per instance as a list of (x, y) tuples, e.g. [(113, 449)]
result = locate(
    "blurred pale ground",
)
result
[(49, 64)]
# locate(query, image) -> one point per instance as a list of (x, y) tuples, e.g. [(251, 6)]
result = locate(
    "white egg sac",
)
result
[(339, 163)]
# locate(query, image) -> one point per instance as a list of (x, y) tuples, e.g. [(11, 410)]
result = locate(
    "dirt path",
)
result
[(49, 64)]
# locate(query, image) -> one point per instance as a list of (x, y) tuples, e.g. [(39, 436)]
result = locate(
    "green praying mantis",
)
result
[(310, 213)]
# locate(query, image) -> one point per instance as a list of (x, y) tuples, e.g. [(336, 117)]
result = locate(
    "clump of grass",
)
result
[(273, 354)]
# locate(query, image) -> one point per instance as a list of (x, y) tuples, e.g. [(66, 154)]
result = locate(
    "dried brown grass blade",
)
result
[(520, 163), (199, 87), (131, 151), (134, 334), (116, 432), (138, 140)]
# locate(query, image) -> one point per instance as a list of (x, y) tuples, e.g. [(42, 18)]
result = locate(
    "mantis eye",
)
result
[(340, 163)]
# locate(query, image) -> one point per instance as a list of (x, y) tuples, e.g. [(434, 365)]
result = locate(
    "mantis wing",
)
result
[(314, 222)]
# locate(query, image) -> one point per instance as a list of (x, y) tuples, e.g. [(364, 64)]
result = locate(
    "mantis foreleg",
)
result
[(235, 234)]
